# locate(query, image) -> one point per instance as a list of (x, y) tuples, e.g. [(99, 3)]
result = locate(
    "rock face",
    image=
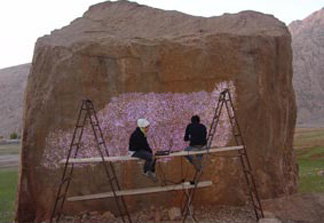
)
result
[(13, 81), (305, 207), (133, 61), (308, 55)]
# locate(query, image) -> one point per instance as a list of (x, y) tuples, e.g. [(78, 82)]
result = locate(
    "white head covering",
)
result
[(142, 123)]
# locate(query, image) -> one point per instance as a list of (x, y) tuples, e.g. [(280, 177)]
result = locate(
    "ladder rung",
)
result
[(75, 144), (256, 207), (65, 179), (79, 126), (112, 179), (61, 196)]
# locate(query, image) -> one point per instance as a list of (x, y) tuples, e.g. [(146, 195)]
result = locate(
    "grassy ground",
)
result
[(309, 147), (8, 184)]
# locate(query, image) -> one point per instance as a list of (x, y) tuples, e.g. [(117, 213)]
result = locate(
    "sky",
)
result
[(22, 22)]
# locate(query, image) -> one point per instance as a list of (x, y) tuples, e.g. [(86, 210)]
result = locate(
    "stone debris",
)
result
[(174, 213), (218, 214), (269, 220), (320, 173)]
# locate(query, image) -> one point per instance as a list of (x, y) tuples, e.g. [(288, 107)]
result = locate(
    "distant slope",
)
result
[(12, 85), (308, 80), (308, 65)]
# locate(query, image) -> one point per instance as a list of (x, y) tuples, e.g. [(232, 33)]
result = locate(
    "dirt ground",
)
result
[(297, 208)]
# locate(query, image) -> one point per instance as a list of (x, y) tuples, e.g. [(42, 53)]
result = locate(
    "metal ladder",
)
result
[(87, 112), (225, 98)]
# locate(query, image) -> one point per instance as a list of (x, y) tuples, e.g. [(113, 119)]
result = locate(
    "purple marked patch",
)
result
[(168, 113)]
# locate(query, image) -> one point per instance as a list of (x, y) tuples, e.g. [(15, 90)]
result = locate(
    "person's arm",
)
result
[(132, 143), (187, 134), (147, 146), (205, 136)]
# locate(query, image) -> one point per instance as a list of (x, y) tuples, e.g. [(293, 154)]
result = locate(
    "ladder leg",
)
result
[(109, 168), (246, 165), (225, 98), (212, 130), (66, 178)]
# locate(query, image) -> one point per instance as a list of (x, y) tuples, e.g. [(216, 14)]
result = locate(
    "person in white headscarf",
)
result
[(140, 148)]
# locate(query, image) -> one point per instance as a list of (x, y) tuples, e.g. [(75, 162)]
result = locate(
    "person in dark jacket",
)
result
[(196, 134), (140, 148)]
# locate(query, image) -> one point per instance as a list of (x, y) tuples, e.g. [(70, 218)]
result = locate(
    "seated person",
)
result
[(196, 134), (140, 148)]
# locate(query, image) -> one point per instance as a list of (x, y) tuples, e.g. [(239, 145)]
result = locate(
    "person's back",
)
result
[(138, 141), (195, 133)]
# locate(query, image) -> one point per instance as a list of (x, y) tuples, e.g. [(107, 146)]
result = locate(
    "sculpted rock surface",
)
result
[(133, 61)]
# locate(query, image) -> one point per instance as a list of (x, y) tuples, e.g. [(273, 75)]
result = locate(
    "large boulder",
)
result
[(133, 61)]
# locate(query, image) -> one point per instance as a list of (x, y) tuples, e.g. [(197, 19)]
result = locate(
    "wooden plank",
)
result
[(174, 154), (185, 185)]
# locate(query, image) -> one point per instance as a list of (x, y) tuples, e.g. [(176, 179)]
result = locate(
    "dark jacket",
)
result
[(138, 141), (196, 133)]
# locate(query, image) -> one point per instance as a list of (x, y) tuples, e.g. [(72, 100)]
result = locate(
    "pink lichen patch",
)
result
[(168, 113)]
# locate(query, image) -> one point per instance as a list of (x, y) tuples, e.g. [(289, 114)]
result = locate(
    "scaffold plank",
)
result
[(173, 154), (185, 185)]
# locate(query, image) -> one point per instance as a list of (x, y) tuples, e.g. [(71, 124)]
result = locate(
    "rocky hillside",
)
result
[(308, 57), (308, 52), (12, 86)]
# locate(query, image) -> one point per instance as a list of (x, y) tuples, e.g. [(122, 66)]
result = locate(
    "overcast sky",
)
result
[(23, 21)]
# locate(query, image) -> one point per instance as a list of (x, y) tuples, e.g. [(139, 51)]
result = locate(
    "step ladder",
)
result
[(224, 100), (86, 114)]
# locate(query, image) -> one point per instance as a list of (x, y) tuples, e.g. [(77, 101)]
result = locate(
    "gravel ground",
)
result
[(220, 214)]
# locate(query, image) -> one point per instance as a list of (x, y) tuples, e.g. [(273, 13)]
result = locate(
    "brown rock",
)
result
[(269, 220), (320, 173), (108, 216), (297, 208), (174, 213), (158, 215), (135, 61), (94, 213)]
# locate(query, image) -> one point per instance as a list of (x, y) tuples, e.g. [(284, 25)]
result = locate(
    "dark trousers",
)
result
[(149, 164), (194, 157)]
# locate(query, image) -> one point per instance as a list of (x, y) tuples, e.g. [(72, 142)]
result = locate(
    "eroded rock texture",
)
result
[(136, 61), (308, 53)]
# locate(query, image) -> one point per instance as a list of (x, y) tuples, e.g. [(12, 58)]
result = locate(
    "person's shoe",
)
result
[(152, 176), (145, 173)]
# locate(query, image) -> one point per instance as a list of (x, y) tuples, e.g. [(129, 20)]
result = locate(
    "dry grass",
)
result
[(309, 146)]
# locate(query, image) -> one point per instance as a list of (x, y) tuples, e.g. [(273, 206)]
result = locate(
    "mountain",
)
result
[(308, 57), (308, 64), (12, 86)]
